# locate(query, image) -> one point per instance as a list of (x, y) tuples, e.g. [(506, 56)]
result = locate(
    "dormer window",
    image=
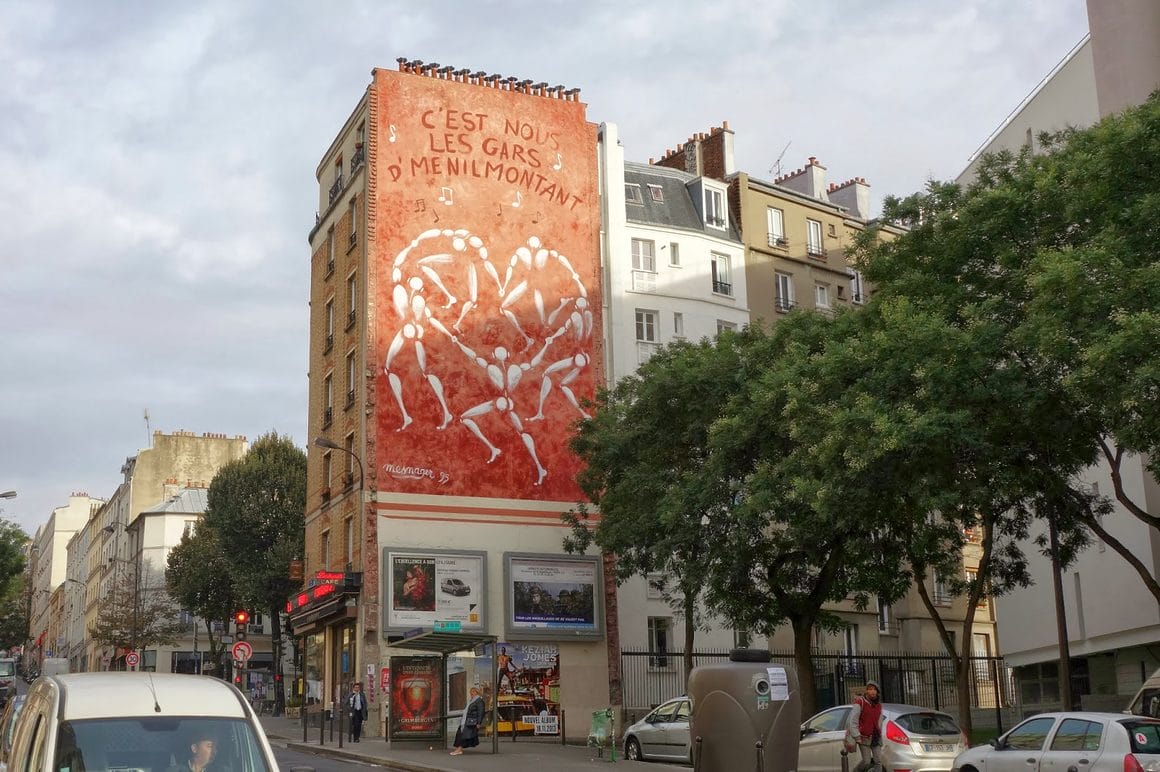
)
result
[(632, 194), (714, 208), (657, 193)]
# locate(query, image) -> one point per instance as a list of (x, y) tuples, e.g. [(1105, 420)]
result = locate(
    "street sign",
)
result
[(242, 650), (452, 626), (132, 658)]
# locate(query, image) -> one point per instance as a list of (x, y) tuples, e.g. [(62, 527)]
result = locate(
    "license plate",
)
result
[(937, 748)]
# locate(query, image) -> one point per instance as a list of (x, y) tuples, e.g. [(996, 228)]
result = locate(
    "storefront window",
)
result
[(314, 667)]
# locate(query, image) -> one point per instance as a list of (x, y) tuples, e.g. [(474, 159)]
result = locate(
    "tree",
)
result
[(136, 614), (644, 450), (256, 505), (198, 577), (13, 585)]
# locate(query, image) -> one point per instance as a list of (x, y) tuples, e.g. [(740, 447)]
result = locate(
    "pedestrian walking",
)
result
[(467, 735), (357, 704), (863, 727)]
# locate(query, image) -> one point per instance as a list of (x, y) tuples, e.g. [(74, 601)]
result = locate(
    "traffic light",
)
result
[(240, 618)]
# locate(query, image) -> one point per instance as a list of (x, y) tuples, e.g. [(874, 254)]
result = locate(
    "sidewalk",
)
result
[(519, 756)]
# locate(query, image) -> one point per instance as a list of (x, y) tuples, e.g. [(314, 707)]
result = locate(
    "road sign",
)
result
[(242, 650), (452, 626), (132, 658)]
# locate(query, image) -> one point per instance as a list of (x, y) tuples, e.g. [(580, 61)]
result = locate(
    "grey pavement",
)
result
[(523, 754)]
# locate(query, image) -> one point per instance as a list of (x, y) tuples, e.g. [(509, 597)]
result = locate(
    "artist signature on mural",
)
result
[(407, 472)]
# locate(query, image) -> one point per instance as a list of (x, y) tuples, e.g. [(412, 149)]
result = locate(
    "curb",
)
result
[(335, 752)]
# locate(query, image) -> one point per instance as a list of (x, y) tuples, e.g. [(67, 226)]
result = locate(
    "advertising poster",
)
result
[(425, 587), (486, 279), (553, 594), (416, 698)]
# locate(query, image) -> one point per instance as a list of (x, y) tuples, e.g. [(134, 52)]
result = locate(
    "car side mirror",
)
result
[(996, 743), (806, 730)]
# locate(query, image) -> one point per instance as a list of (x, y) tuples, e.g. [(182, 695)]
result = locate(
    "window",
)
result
[(351, 300), (723, 325), (646, 335), (674, 253), (657, 193), (655, 584), (632, 193), (741, 639), (327, 463), (814, 246), (886, 624), (336, 188), (1030, 735), (1076, 734), (722, 276), (325, 549), (822, 295), (190, 528), (350, 378), (850, 641), (857, 287), (327, 400), (348, 539), (353, 220), (678, 325), (659, 631), (972, 576), (940, 596), (330, 251), (644, 255), (981, 648), (329, 325), (776, 220), (714, 208), (349, 455), (644, 266), (783, 285)]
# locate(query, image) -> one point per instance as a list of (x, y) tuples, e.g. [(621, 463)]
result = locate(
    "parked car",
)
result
[(7, 724), (453, 586), (7, 679), (662, 734), (135, 721), (912, 738), (1092, 742), (1147, 700)]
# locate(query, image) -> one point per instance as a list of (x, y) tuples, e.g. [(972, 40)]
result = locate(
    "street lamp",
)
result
[(109, 529), (8, 495)]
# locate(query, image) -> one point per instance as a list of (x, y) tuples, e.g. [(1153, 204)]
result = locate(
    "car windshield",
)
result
[(156, 744), (928, 723), (7, 668), (1145, 736)]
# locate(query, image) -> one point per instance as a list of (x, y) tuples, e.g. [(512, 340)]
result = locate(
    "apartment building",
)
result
[(1113, 624), (455, 331)]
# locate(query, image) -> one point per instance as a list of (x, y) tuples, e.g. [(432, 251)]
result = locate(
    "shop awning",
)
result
[(441, 642)]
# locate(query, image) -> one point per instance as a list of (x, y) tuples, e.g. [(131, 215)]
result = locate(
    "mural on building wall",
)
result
[(487, 286)]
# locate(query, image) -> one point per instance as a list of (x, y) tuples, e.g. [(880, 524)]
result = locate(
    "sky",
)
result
[(157, 167)]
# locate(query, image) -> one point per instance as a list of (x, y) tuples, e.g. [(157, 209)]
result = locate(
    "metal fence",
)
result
[(649, 678)]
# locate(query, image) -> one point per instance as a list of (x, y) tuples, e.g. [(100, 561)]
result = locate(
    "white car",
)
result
[(139, 722), (662, 734), (1088, 742), (913, 738)]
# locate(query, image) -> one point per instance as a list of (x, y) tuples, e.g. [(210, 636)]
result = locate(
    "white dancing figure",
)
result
[(505, 377), (411, 306)]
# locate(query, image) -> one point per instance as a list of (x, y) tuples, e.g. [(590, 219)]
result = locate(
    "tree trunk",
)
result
[(612, 631), (276, 647), (690, 634), (803, 660), (1065, 695)]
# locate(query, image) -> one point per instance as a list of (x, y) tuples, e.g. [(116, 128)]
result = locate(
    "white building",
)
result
[(1113, 622)]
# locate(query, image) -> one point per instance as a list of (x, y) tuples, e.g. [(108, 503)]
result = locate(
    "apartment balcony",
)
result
[(784, 305), (816, 251), (722, 288), (357, 159), (336, 189), (778, 241)]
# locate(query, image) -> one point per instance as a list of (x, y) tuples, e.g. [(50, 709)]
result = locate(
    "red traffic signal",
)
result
[(241, 617), (277, 677)]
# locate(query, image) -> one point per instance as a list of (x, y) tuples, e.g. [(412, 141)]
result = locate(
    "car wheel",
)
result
[(632, 750)]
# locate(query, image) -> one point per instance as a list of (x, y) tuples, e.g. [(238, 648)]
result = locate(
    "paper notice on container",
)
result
[(778, 684)]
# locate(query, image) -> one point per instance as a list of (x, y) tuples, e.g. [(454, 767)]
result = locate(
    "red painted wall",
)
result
[(487, 294)]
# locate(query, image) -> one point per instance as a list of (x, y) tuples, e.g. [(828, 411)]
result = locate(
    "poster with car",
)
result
[(431, 586), (529, 686), (548, 595), (416, 698)]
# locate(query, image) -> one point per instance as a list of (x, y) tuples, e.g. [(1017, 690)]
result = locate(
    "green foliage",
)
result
[(198, 577), (256, 508), (13, 585)]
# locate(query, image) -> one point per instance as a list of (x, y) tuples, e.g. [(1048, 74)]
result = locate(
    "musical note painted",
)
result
[(519, 200), (559, 162), (420, 205), (394, 135), (447, 195)]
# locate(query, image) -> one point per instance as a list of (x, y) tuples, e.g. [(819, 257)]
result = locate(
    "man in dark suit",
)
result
[(357, 707)]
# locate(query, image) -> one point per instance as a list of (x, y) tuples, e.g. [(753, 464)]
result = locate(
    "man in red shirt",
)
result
[(863, 725)]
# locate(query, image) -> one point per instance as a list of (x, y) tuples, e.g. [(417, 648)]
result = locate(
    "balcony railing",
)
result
[(356, 160), (815, 250), (784, 305), (778, 241), (351, 316), (336, 188), (327, 417), (644, 281), (722, 287)]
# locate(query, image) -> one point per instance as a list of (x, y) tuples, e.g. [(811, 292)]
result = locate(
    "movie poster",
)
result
[(416, 698), (549, 594), (487, 286)]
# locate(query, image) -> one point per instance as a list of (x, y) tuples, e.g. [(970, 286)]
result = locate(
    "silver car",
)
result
[(662, 734), (1092, 742), (912, 738)]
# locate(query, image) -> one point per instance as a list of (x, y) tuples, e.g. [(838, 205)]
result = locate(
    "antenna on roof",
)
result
[(148, 434), (775, 170)]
